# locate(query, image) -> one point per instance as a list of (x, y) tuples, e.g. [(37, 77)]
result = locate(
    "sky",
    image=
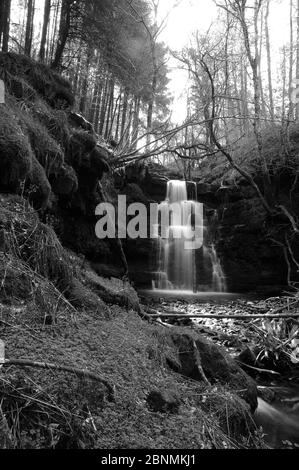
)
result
[(189, 16), (192, 15)]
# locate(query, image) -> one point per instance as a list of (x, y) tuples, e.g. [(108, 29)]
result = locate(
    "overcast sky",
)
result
[(192, 15)]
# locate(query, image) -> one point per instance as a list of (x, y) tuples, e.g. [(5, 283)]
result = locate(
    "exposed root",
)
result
[(73, 370)]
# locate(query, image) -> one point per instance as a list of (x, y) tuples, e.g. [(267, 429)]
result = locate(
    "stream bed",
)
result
[(278, 410)]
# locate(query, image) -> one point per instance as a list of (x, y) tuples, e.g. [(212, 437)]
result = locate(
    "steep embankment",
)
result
[(82, 369), (48, 153)]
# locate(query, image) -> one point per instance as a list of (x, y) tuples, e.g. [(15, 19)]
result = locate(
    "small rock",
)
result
[(163, 401), (247, 357), (267, 394)]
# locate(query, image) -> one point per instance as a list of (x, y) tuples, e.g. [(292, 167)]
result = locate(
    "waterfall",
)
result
[(218, 277), (176, 265)]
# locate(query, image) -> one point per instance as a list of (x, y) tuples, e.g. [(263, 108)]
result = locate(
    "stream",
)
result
[(280, 419)]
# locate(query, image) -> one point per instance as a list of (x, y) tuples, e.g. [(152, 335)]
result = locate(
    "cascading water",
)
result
[(279, 425), (211, 259), (176, 265)]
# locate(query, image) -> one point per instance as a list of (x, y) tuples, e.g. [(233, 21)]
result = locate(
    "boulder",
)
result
[(198, 356), (163, 401), (78, 121)]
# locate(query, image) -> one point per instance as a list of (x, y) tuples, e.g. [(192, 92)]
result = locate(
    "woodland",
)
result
[(133, 343)]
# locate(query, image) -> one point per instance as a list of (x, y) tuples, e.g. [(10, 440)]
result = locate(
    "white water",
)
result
[(218, 277), (176, 269), (278, 425)]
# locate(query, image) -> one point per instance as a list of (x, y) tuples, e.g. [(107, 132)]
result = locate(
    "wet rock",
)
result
[(216, 365), (267, 394), (251, 261), (151, 177), (279, 426), (207, 194), (248, 357), (163, 401), (79, 122)]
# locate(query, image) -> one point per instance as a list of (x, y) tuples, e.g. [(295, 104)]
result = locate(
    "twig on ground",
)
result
[(73, 370), (258, 370), (219, 317)]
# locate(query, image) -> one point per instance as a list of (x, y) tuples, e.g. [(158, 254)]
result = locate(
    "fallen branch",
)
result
[(73, 370), (221, 317), (258, 369), (285, 211), (148, 317)]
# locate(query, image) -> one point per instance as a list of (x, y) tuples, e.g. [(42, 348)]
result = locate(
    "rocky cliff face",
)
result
[(50, 154), (247, 239), (145, 183)]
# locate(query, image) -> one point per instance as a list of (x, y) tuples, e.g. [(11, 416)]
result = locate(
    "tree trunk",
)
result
[(118, 118), (297, 65), (2, 14), (47, 11), (284, 84), (29, 27), (291, 107), (116, 106), (96, 117), (269, 61), (124, 115), (5, 23), (260, 53), (254, 61), (52, 39), (104, 105), (135, 130), (284, 120), (151, 108), (63, 34), (110, 107), (129, 125), (77, 73), (84, 89), (96, 99)]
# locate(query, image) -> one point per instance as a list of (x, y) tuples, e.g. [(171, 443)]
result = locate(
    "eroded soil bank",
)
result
[(153, 403)]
